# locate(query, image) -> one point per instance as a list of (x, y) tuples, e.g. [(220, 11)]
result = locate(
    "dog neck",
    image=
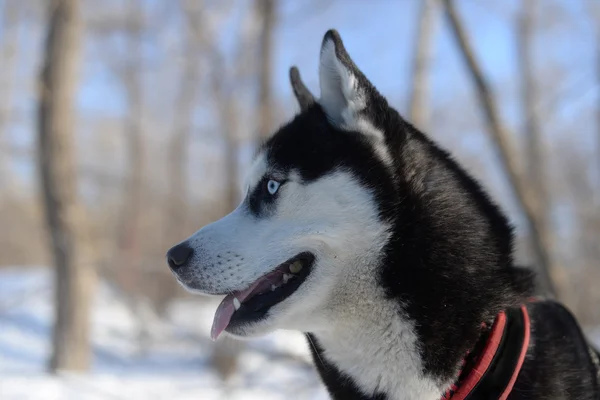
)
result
[(375, 351), (366, 359)]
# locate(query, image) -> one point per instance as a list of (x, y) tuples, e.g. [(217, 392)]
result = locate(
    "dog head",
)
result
[(313, 209), (346, 195)]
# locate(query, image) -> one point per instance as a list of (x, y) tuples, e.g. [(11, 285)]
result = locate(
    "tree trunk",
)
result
[(8, 48), (596, 203), (56, 147), (129, 249), (183, 117), (598, 114), (424, 43), (130, 252), (228, 119), (231, 155), (533, 134), (267, 13), (522, 193), (534, 144)]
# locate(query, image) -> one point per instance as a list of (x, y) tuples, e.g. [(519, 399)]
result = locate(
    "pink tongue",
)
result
[(226, 308), (222, 316)]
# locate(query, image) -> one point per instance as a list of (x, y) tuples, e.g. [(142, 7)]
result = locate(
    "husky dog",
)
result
[(359, 231)]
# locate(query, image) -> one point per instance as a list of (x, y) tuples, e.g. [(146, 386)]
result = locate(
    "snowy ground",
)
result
[(174, 366)]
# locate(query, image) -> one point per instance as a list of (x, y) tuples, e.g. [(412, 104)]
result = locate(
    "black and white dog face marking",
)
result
[(357, 229), (314, 210)]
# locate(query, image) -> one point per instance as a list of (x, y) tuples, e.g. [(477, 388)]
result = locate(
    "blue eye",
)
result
[(272, 186)]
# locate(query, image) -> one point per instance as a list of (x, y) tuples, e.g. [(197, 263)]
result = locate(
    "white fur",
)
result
[(343, 100), (333, 217), (257, 170), (373, 344)]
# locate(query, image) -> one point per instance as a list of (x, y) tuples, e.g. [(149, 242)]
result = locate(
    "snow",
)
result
[(173, 365)]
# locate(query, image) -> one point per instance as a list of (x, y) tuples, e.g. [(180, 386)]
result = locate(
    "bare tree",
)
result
[(267, 10), (226, 84), (229, 117), (533, 133), (129, 231), (597, 191), (594, 220), (56, 141), (595, 11), (598, 118), (424, 43), (534, 149), (8, 48), (522, 193), (182, 127), (226, 105)]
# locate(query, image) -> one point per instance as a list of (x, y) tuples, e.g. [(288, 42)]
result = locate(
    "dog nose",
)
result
[(179, 255)]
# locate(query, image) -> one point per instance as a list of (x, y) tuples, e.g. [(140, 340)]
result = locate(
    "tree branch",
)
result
[(266, 9), (424, 41)]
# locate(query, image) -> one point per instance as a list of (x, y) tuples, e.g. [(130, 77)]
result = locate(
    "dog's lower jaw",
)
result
[(379, 351)]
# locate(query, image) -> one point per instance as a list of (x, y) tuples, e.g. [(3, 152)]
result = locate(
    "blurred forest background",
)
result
[(125, 125)]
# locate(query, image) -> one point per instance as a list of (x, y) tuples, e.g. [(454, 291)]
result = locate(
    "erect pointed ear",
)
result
[(345, 92), (303, 95)]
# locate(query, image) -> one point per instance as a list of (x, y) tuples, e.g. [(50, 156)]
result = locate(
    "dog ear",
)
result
[(346, 94), (303, 95)]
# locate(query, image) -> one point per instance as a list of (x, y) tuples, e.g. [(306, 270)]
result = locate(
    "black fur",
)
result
[(558, 364), (303, 95), (450, 261), (260, 201), (314, 148), (451, 241)]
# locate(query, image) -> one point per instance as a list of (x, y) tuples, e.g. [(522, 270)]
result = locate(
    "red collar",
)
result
[(496, 368)]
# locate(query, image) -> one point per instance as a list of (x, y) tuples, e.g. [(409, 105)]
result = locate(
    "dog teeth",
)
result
[(236, 303), (273, 287), (295, 267), (286, 277)]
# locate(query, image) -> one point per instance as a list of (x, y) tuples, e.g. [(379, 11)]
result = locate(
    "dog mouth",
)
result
[(251, 304)]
